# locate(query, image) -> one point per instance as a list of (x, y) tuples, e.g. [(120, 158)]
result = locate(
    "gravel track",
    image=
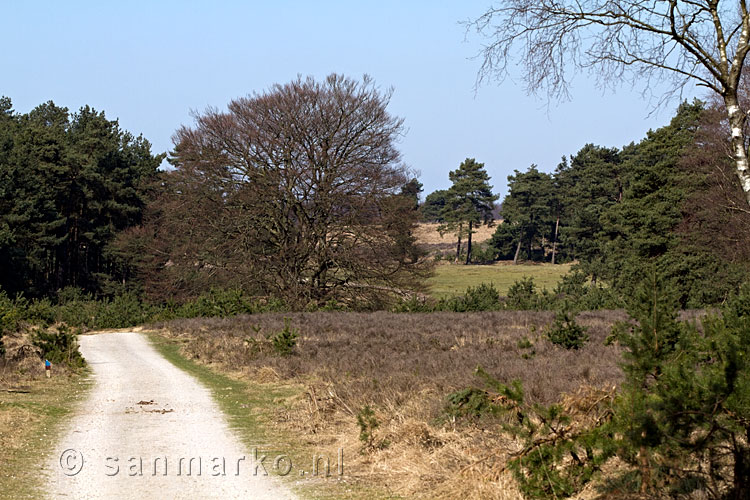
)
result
[(142, 407)]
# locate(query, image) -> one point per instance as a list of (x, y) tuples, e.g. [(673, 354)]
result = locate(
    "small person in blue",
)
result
[(47, 367)]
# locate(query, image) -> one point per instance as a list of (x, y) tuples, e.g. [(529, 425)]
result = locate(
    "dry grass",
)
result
[(403, 366), (23, 362), (429, 238), (32, 408)]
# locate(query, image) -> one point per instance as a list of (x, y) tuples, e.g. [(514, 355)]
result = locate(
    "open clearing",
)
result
[(450, 279), (149, 430), (427, 234)]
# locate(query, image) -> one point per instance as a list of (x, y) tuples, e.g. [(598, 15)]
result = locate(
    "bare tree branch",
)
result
[(296, 190), (641, 41)]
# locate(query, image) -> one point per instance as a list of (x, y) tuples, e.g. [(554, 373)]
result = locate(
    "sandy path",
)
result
[(121, 439)]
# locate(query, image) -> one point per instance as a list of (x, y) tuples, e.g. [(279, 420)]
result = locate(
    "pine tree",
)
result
[(682, 415), (433, 208), (469, 201), (529, 213), (13, 270), (412, 190), (70, 182), (641, 230), (588, 184)]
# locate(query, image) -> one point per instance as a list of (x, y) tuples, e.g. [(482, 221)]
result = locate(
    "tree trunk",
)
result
[(518, 250), (468, 245), (554, 242), (741, 481), (458, 246), (737, 121), (645, 469)]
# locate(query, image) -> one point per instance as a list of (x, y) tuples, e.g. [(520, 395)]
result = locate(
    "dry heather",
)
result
[(403, 366)]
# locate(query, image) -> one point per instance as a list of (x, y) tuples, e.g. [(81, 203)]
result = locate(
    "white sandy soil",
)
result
[(142, 407)]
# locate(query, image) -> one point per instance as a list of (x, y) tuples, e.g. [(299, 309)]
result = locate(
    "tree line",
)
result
[(297, 193), (670, 201), (69, 183)]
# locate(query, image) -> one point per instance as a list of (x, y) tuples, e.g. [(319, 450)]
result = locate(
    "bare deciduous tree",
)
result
[(716, 215), (704, 41), (296, 191)]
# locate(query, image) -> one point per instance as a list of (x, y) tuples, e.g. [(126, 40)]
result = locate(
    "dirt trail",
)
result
[(142, 407)]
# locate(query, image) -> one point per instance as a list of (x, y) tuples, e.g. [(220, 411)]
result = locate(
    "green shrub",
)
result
[(572, 285), (224, 303), (565, 332), (413, 304), (76, 308), (738, 304), (73, 294), (526, 344), (284, 341), (217, 303), (40, 312), (678, 421), (59, 347), (8, 318), (576, 288), (474, 403), (483, 297), (558, 456), (269, 304), (470, 403), (10, 313), (367, 425), (122, 311), (483, 254), (79, 313), (523, 296), (253, 345), (682, 412)]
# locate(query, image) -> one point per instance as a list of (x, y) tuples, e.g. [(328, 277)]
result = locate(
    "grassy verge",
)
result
[(451, 279), (32, 414), (256, 411)]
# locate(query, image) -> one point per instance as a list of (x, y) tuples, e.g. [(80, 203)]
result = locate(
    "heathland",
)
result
[(382, 386), (593, 343)]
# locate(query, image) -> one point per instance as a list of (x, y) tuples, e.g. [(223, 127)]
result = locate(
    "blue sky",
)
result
[(150, 63)]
